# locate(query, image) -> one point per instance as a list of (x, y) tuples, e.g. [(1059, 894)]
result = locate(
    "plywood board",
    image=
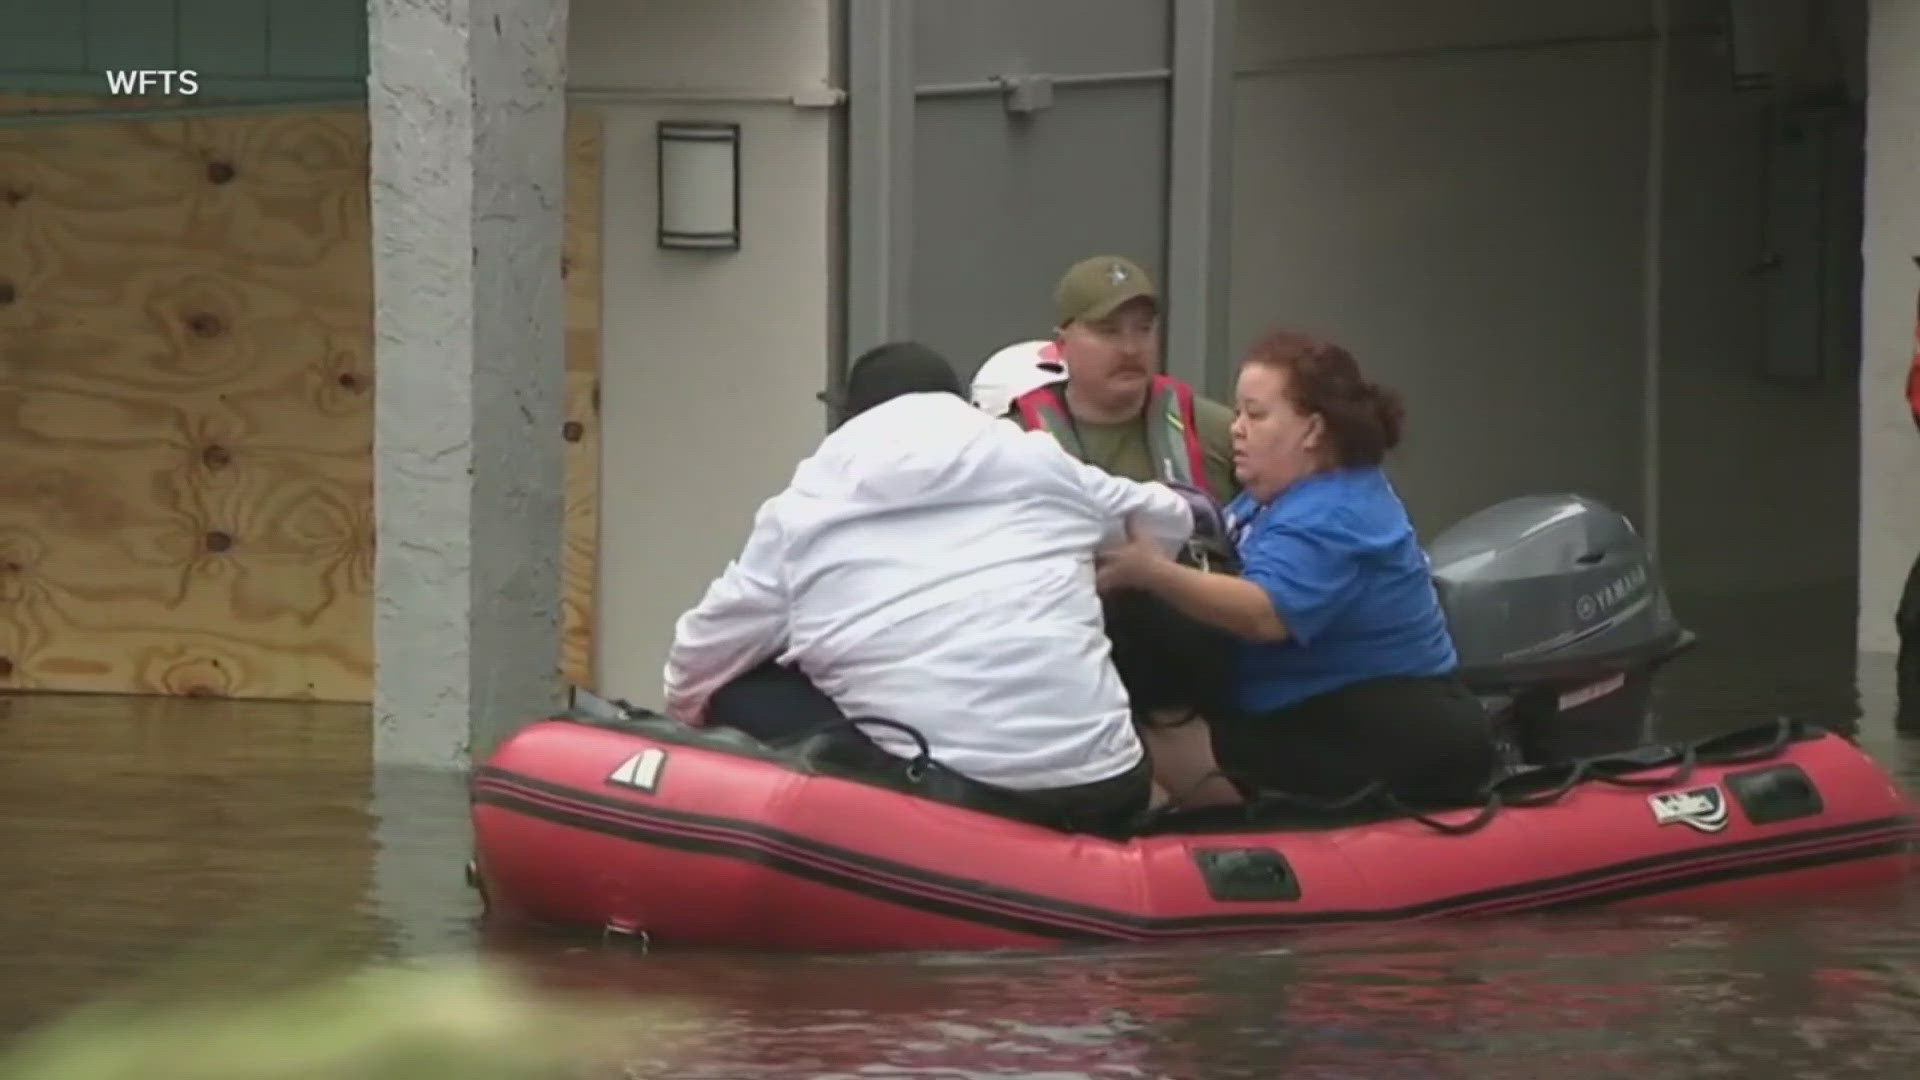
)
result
[(581, 270), (186, 394)]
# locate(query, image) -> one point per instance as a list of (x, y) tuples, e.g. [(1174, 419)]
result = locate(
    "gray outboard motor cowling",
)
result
[(1554, 599)]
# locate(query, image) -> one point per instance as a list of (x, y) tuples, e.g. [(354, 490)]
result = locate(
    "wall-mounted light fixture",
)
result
[(1752, 47), (699, 185)]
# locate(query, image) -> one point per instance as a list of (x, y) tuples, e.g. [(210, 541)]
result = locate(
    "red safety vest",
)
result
[(1913, 370), (1172, 437)]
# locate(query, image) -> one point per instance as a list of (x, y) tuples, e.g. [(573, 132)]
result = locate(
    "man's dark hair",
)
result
[(885, 372)]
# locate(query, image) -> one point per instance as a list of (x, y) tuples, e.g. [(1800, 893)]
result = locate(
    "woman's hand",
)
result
[(1227, 601), (1131, 564)]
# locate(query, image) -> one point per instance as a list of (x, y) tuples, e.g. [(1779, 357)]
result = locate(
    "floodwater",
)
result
[(135, 833)]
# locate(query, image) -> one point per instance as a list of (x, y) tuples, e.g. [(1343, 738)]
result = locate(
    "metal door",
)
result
[(992, 143), (1040, 137)]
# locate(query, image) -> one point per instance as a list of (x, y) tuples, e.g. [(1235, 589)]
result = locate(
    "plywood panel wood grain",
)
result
[(186, 393), (581, 272)]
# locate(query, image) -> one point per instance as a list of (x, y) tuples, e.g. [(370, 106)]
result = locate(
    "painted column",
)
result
[(879, 171), (1199, 195), (1889, 443), (467, 110)]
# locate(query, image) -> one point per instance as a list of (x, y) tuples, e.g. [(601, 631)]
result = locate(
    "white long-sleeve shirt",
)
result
[(933, 565)]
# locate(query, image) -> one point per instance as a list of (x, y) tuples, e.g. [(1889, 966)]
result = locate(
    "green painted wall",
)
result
[(246, 49)]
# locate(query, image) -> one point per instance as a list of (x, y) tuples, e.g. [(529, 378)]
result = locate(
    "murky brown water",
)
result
[(131, 832)]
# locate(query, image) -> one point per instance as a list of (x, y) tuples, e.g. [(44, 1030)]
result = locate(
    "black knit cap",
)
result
[(885, 372)]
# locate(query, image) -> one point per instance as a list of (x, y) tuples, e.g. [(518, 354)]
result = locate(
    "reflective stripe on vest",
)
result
[(1173, 437)]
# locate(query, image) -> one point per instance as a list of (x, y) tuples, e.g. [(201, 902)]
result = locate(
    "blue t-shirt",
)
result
[(1338, 557)]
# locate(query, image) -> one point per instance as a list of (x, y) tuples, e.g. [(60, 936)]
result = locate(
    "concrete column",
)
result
[(1199, 195), (1889, 444), (879, 172), (467, 108)]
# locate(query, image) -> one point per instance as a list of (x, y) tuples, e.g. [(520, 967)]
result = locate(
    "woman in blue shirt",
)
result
[(1345, 668)]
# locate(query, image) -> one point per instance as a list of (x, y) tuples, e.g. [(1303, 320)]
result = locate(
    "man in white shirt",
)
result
[(933, 565)]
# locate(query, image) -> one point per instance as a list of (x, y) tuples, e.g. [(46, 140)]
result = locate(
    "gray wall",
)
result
[(1538, 222), (1459, 196), (1757, 469), (1462, 192)]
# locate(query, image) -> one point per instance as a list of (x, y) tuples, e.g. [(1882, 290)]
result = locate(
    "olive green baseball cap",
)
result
[(1093, 288)]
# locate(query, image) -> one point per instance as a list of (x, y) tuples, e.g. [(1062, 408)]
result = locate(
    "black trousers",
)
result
[(1907, 670), (774, 703), (1167, 660), (1428, 740)]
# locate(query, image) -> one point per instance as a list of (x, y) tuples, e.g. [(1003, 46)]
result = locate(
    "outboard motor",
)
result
[(1561, 620)]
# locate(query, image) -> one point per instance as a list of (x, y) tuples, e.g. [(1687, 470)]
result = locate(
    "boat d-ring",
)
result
[(478, 884), (631, 933)]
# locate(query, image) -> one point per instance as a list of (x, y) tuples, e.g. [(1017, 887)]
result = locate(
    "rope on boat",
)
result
[(1493, 796), (1616, 770), (917, 766)]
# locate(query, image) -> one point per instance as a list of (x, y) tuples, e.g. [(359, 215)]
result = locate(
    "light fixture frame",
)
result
[(667, 134)]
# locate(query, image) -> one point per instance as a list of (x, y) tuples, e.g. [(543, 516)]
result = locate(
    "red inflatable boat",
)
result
[(615, 819)]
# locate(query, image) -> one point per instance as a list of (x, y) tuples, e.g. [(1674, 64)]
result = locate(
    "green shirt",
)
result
[(1121, 449)]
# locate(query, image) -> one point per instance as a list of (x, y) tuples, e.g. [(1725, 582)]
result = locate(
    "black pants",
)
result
[(1166, 660), (1427, 739), (773, 703), (1907, 670)]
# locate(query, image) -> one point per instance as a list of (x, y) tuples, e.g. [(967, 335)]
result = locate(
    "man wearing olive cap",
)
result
[(1114, 410)]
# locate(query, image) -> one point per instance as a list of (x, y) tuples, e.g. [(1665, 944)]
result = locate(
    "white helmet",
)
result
[(1013, 371)]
